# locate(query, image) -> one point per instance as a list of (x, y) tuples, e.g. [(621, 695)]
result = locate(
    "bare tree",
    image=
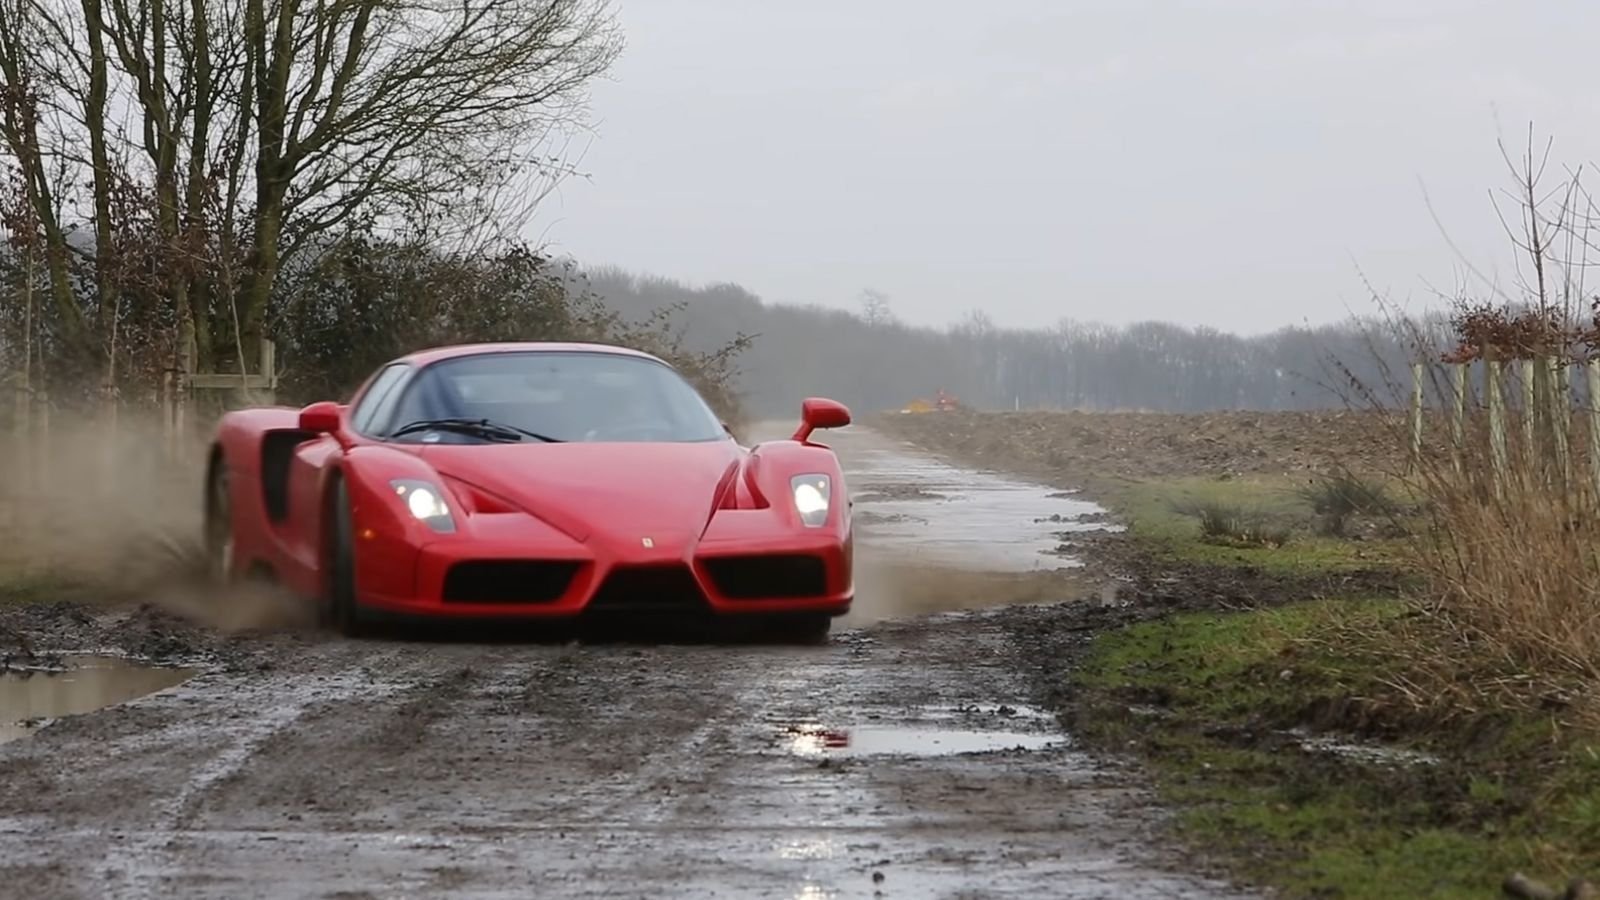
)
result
[(241, 132), (875, 307), (23, 107), (399, 109)]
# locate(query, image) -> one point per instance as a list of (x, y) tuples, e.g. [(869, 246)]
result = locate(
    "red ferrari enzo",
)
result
[(531, 480)]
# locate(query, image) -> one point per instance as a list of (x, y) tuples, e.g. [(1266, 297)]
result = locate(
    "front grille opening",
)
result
[(768, 577), (667, 588), (508, 581)]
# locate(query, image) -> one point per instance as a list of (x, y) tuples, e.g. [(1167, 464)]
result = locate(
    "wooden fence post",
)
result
[(1593, 371), (269, 372), (1529, 404), (1558, 417), (1497, 423)]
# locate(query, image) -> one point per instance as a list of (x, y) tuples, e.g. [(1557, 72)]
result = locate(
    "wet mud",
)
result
[(916, 754)]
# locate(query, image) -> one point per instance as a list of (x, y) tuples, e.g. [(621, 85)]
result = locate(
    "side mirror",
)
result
[(819, 412), (321, 418)]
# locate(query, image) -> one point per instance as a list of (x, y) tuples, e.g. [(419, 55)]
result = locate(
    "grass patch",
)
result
[(1218, 704), (1266, 522)]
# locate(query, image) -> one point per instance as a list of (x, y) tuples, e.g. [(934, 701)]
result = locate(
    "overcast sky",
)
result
[(1226, 163)]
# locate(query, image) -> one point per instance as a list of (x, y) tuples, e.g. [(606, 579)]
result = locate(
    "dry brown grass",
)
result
[(1511, 564)]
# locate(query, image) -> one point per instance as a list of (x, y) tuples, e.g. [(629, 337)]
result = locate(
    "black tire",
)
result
[(219, 545), (344, 613)]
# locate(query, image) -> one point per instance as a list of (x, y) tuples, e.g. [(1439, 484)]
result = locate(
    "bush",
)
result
[(1223, 523), (1338, 497)]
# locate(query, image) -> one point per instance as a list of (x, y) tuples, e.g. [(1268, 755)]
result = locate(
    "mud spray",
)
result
[(893, 581), (887, 588), (108, 514)]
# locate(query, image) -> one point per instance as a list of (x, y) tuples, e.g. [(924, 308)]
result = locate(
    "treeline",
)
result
[(872, 361)]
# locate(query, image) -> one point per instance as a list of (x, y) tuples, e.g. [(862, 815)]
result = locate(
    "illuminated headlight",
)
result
[(811, 495), (426, 504)]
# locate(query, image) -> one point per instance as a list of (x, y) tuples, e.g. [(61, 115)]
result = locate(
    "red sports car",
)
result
[(535, 481)]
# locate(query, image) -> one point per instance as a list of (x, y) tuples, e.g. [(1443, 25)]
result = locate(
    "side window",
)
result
[(414, 399), (378, 398)]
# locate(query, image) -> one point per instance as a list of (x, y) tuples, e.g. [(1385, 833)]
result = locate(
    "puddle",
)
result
[(1369, 754), (1003, 710), (88, 683), (892, 740), (924, 509)]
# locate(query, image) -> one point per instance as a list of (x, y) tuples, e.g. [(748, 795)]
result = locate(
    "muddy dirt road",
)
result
[(903, 759)]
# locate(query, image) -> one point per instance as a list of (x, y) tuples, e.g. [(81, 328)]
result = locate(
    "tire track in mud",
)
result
[(134, 863)]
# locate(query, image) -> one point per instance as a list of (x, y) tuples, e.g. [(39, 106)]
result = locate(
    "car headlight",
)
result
[(811, 496), (426, 504)]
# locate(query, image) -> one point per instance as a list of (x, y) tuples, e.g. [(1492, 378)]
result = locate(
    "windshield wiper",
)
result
[(484, 428)]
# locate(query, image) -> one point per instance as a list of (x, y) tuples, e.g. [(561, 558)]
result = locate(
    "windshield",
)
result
[(557, 396)]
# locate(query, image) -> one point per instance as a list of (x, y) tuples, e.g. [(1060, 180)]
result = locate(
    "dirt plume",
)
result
[(100, 500), (109, 513)]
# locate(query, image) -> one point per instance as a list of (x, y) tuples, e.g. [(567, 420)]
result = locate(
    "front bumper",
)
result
[(754, 576)]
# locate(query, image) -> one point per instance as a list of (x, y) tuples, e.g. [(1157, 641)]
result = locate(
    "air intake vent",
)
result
[(508, 581), (649, 588), (768, 577)]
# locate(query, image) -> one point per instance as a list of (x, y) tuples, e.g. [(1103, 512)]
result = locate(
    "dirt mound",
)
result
[(1064, 447)]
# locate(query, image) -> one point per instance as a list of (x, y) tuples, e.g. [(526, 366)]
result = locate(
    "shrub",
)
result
[(1338, 497), (1223, 523)]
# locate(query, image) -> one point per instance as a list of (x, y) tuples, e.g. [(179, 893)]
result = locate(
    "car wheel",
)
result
[(219, 524), (344, 612)]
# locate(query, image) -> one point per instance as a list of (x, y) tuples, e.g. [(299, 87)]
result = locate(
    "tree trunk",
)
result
[(105, 254), (261, 273)]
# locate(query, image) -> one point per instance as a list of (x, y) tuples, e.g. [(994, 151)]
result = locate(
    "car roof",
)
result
[(435, 354)]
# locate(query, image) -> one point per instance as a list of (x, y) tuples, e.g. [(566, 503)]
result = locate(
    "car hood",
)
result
[(615, 490)]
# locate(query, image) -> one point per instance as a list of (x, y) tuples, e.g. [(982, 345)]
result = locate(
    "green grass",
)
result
[(1164, 515), (1511, 794)]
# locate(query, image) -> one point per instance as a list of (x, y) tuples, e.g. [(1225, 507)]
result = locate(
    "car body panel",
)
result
[(541, 530)]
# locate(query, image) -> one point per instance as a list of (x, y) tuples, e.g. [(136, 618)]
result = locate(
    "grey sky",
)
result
[(1226, 163)]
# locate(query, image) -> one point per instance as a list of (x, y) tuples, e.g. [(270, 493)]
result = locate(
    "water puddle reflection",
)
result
[(902, 740), (85, 684)]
